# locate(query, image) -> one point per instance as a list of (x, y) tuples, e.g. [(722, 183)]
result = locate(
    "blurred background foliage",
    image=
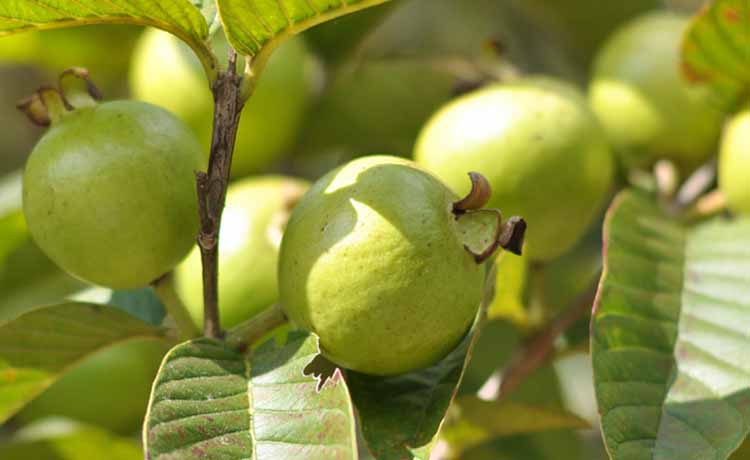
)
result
[(373, 79)]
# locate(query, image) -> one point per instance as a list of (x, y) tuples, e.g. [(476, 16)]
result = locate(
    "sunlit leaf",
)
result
[(256, 27), (716, 49), (209, 399), (670, 342), (37, 347)]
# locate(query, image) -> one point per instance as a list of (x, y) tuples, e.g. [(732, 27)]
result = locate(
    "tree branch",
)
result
[(212, 186), (539, 347)]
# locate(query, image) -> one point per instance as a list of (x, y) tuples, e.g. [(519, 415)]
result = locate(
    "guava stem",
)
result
[(166, 292), (244, 335), (708, 205), (696, 185), (212, 186)]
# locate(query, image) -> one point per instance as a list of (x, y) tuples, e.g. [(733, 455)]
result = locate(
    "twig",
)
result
[(165, 291), (244, 335), (212, 186), (696, 185), (536, 351), (708, 205)]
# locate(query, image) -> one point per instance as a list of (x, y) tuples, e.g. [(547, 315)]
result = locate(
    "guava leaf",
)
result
[(141, 303), (670, 342), (180, 17), (716, 48), (60, 439), (400, 416), (474, 421), (37, 347), (208, 398), (256, 27), (210, 13)]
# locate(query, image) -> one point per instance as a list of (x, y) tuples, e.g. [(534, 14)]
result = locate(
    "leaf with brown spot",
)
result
[(212, 402)]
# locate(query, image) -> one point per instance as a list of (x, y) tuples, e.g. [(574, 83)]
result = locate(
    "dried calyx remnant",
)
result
[(508, 234), (49, 103)]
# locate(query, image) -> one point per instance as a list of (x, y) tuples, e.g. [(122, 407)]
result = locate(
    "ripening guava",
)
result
[(108, 389), (734, 163), (373, 262), (647, 107), (165, 72), (109, 193), (257, 209), (538, 145)]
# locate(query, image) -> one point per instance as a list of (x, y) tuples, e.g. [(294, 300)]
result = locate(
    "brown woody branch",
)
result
[(212, 186)]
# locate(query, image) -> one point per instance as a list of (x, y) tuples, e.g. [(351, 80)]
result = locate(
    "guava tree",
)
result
[(338, 319)]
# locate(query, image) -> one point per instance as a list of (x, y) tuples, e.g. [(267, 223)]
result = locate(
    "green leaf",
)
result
[(180, 17), (208, 398), (62, 440), (670, 334), (475, 421), (257, 27), (716, 48), (36, 348), (210, 13), (401, 415)]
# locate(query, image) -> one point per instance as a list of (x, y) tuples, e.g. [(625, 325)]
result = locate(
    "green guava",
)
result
[(104, 50), (166, 73), (109, 389), (647, 107), (734, 163), (373, 262), (109, 193), (255, 216), (541, 149)]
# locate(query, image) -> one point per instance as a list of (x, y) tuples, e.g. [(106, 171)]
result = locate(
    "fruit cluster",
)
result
[(380, 247)]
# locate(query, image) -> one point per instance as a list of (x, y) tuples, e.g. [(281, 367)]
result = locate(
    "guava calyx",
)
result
[(483, 230), (49, 103), (478, 196)]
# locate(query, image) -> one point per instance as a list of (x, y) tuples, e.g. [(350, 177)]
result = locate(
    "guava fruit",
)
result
[(734, 163), (647, 107), (374, 262), (166, 73), (109, 193), (109, 389), (538, 145), (257, 209)]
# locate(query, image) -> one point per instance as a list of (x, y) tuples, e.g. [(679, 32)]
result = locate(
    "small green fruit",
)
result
[(373, 262), (165, 72), (255, 216), (109, 389), (109, 193), (539, 147), (648, 109), (734, 163)]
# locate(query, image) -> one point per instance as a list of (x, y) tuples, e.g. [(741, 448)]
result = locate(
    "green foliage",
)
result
[(668, 334), (209, 400), (38, 347), (58, 439), (714, 49)]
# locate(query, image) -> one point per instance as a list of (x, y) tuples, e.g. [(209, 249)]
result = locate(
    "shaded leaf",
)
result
[(255, 27), (716, 48), (670, 334), (208, 398), (400, 416), (36, 348), (179, 17), (475, 421), (63, 440)]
